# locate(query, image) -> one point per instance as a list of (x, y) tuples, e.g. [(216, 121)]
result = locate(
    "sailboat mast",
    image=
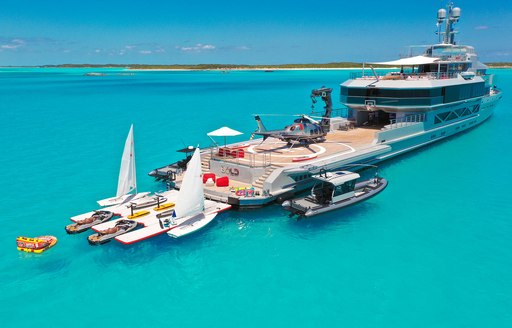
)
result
[(133, 163)]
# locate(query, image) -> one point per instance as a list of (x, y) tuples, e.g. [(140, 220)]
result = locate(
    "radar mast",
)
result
[(453, 17)]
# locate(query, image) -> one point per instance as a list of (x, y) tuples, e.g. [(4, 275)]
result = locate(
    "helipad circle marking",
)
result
[(320, 151)]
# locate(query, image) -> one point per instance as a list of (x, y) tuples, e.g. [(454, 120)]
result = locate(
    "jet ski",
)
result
[(103, 236), (82, 225)]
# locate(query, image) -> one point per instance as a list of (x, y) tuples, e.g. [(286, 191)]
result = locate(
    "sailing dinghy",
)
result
[(189, 212), (127, 181)]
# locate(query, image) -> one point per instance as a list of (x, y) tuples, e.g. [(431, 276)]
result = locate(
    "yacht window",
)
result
[(452, 116), (443, 116), (322, 192), (338, 191), (460, 111), (344, 188), (461, 92)]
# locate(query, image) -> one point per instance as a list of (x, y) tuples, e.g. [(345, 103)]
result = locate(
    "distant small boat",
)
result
[(82, 225), (94, 74), (35, 245), (104, 236), (335, 190)]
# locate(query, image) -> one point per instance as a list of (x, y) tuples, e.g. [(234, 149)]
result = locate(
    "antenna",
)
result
[(441, 16), (453, 17)]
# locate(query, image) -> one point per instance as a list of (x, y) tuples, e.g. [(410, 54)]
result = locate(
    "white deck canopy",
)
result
[(410, 61), (224, 132)]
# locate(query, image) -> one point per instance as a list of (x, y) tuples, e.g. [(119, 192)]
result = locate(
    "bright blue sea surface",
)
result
[(433, 250)]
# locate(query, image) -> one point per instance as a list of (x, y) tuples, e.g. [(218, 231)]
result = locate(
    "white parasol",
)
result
[(224, 132)]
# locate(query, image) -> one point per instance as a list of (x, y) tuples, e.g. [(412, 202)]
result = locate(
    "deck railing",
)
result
[(242, 157), (336, 112), (404, 76)]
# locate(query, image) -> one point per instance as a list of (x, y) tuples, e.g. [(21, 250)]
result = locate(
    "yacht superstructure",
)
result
[(441, 92)]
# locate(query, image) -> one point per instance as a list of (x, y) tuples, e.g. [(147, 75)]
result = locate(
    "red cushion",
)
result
[(223, 182), (238, 153), (207, 176)]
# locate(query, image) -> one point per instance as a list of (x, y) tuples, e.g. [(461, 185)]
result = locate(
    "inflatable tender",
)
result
[(35, 245), (82, 225)]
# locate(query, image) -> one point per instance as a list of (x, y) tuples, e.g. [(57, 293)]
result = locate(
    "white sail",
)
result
[(127, 176), (190, 199)]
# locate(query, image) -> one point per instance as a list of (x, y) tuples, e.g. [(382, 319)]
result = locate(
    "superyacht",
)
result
[(424, 98)]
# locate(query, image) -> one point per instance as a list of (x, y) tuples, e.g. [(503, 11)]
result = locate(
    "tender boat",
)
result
[(35, 245), (82, 225), (103, 236), (335, 190)]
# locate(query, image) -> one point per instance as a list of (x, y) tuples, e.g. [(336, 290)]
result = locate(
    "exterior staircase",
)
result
[(259, 183), (205, 162)]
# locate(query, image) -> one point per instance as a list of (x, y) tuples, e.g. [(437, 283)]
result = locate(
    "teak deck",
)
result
[(274, 153)]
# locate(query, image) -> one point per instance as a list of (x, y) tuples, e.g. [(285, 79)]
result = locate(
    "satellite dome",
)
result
[(456, 12), (441, 14)]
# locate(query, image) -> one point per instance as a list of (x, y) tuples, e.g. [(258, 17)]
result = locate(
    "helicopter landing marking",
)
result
[(320, 151)]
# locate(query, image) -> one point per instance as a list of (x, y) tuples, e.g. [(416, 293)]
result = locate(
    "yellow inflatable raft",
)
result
[(35, 245)]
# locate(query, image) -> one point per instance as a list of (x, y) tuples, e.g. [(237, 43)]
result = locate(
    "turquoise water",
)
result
[(433, 250)]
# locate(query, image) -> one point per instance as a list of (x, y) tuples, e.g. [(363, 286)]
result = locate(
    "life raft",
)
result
[(35, 245)]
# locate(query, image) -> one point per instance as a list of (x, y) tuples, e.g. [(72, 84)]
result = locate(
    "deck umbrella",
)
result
[(224, 132)]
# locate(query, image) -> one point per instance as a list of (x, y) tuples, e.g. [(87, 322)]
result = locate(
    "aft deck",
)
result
[(274, 152), (248, 164)]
